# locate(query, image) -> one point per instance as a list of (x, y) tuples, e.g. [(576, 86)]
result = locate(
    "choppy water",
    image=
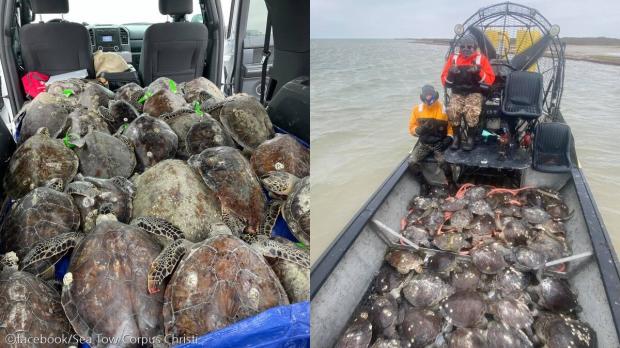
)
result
[(362, 93)]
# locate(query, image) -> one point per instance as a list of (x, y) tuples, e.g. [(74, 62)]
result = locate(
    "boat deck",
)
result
[(487, 156)]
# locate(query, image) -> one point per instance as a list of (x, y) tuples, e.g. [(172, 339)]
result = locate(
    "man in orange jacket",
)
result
[(429, 122), (467, 73)]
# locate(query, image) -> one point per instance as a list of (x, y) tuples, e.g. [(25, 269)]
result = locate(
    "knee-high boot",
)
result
[(456, 136)]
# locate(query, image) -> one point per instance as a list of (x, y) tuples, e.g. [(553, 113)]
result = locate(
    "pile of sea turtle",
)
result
[(477, 276), (164, 199)]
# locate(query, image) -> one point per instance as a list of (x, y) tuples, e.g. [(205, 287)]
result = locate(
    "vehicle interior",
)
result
[(179, 39)]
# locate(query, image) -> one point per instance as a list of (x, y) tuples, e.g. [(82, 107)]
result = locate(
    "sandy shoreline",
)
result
[(602, 54)]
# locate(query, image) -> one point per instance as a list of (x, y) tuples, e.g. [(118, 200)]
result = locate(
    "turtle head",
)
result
[(280, 183), (9, 261)]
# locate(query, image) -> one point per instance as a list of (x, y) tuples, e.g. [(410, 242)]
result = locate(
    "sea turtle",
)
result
[(118, 113), (426, 290), (558, 331), (94, 95), (488, 258), (104, 156), (153, 140), (82, 120), (227, 173), (513, 312), (131, 93), (358, 333), (502, 336), (246, 121), (200, 90), (510, 282), (281, 153), (70, 88), (171, 190), (214, 283), (464, 309), (296, 207), (386, 343), (418, 235), (181, 122), (387, 279), (205, 134), (383, 314), (466, 278), (45, 110), (555, 295), (451, 241), (103, 292), (467, 338), (95, 196), (164, 102), (29, 308), (535, 215), (42, 213), (161, 83), (515, 232), (441, 264), (38, 160), (461, 219), (404, 261), (420, 327), (453, 204)]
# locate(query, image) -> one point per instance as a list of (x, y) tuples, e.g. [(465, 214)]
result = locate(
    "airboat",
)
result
[(525, 141)]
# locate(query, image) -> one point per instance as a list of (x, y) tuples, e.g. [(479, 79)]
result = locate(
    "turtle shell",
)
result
[(120, 112), (59, 87), (46, 110), (30, 309), (153, 140), (163, 102), (200, 90), (94, 95), (282, 153), (107, 295), (41, 214), (36, 161), (159, 84), (83, 120), (94, 196), (105, 156), (246, 121), (420, 327), (296, 210), (219, 282), (171, 190), (205, 134), (230, 176), (131, 93), (181, 122)]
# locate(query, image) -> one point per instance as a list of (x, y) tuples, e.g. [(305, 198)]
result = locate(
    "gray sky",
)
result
[(436, 18)]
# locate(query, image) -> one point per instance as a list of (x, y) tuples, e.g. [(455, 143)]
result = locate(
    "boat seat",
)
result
[(55, 47), (523, 95), (175, 50), (552, 148), (290, 108)]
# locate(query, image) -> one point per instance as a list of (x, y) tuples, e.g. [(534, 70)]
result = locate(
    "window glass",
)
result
[(117, 12)]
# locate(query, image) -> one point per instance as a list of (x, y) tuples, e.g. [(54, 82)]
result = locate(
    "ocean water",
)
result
[(362, 93)]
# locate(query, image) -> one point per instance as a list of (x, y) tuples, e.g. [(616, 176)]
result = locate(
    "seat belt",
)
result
[(265, 60)]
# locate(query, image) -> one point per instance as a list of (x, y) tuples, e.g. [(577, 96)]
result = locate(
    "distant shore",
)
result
[(596, 49)]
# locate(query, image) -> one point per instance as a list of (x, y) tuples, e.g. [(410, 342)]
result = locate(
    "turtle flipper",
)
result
[(54, 247), (235, 223), (9, 261), (158, 227), (280, 183), (106, 114), (164, 264), (272, 248), (273, 210)]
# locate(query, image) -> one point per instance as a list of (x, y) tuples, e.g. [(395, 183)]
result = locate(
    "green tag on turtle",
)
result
[(68, 92), (146, 96), (197, 108), (173, 86), (124, 126), (67, 141), (486, 133), (301, 245)]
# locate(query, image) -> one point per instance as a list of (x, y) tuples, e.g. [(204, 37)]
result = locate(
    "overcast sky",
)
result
[(436, 18)]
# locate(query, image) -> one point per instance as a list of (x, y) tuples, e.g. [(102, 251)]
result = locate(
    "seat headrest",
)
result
[(175, 7), (49, 6)]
